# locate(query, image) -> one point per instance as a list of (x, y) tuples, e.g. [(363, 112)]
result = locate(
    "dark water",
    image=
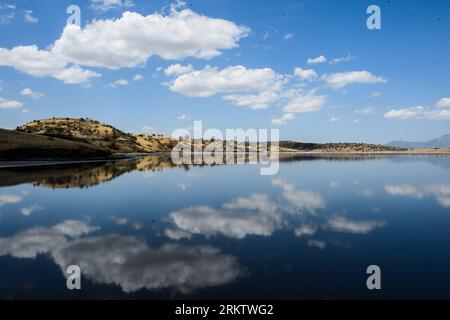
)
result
[(144, 228)]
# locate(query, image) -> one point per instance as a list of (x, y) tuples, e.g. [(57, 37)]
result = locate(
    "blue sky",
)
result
[(233, 66)]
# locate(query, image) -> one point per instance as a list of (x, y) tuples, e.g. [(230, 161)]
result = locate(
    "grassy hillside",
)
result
[(16, 145), (86, 131)]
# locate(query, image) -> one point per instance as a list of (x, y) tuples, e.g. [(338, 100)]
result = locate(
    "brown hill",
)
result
[(95, 133), (18, 145)]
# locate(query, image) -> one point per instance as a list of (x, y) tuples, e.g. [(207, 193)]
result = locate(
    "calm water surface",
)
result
[(144, 228)]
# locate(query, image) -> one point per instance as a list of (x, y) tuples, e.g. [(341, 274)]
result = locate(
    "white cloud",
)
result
[(125, 42), (254, 215), (305, 102), (282, 120), (138, 77), (10, 104), (120, 221), (210, 81), (105, 5), (374, 94), (183, 117), (440, 191), (29, 18), (132, 39), (317, 244), (27, 92), (42, 63), (288, 36), (443, 103), (300, 200), (178, 69), (9, 199), (10, 6), (7, 17), (319, 59), (342, 79), (126, 262), (366, 111), (253, 88), (305, 230), (333, 119), (261, 100), (118, 83), (342, 59), (31, 209), (356, 121), (418, 112), (305, 74), (342, 224)]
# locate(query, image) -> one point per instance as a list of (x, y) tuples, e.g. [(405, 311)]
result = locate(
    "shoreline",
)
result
[(53, 162)]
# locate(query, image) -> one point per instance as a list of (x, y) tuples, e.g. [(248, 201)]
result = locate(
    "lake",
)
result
[(145, 228)]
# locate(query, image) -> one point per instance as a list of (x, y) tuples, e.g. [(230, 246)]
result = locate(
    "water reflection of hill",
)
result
[(81, 175), (89, 174)]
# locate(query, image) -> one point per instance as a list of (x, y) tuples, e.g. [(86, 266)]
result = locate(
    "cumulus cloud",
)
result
[(418, 112), (443, 103), (319, 59), (10, 104), (342, 224), (283, 120), (27, 92), (178, 69), (132, 39), (43, 63), (133, 265), (343, 79), (105, 5), (125, 261), (126, 42), (255, 215), (253, 88), (302, 102), (305, 74), (300, 200)]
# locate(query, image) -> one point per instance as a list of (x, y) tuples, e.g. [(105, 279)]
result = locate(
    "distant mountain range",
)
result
[(441, 142)]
